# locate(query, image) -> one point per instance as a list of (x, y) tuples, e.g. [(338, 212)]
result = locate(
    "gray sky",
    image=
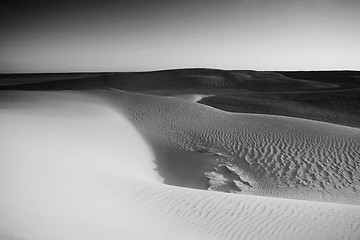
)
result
[(50, 36)]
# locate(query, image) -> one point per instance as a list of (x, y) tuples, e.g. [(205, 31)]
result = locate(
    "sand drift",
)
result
[(116, 165)]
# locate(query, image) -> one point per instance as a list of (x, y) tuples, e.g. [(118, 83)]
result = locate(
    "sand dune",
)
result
[(181, 79), (328, 96), (92, 165), (272, 155), (214, 215)]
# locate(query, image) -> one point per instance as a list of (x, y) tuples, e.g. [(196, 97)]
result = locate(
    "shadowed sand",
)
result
[(328, 96), (256, 154), (92, 165)]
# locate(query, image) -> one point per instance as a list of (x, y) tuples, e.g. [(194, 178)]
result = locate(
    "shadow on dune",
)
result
[(180, 168)]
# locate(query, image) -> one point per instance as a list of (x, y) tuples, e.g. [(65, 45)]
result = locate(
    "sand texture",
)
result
[(255, 154), (109, 164)]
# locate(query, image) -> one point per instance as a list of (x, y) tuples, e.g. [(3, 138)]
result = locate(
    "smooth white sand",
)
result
[(58, 153), (73, 167)]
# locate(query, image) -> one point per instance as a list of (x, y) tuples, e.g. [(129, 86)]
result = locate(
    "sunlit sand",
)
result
[(96, 165)]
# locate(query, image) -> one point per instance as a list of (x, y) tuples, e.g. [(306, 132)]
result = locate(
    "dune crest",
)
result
[(280, 156), (73, 167)]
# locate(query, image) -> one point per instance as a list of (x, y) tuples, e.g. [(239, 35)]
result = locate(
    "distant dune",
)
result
[(174, 80), (328, 96), (97, 162)]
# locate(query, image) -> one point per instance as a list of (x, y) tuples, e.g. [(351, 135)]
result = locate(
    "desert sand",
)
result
[(106, 164), (190, 97), (327, 96)]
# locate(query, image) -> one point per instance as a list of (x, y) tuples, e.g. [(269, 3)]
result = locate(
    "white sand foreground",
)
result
[(79, 166)]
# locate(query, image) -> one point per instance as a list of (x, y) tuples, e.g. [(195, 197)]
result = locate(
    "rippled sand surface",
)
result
[(118, 165)]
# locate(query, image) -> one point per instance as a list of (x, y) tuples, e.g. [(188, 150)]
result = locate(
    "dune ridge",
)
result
[(83, 165), (280, 156)]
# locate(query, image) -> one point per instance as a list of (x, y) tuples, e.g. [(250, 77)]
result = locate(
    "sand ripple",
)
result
[(279, 156)]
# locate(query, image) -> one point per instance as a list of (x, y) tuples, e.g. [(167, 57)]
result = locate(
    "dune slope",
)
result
[(251, 153), (72, 166)]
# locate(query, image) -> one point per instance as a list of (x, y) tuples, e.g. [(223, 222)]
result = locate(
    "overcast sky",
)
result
[(134, 35)]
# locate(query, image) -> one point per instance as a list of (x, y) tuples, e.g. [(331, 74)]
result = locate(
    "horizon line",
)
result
[(175, 69)]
